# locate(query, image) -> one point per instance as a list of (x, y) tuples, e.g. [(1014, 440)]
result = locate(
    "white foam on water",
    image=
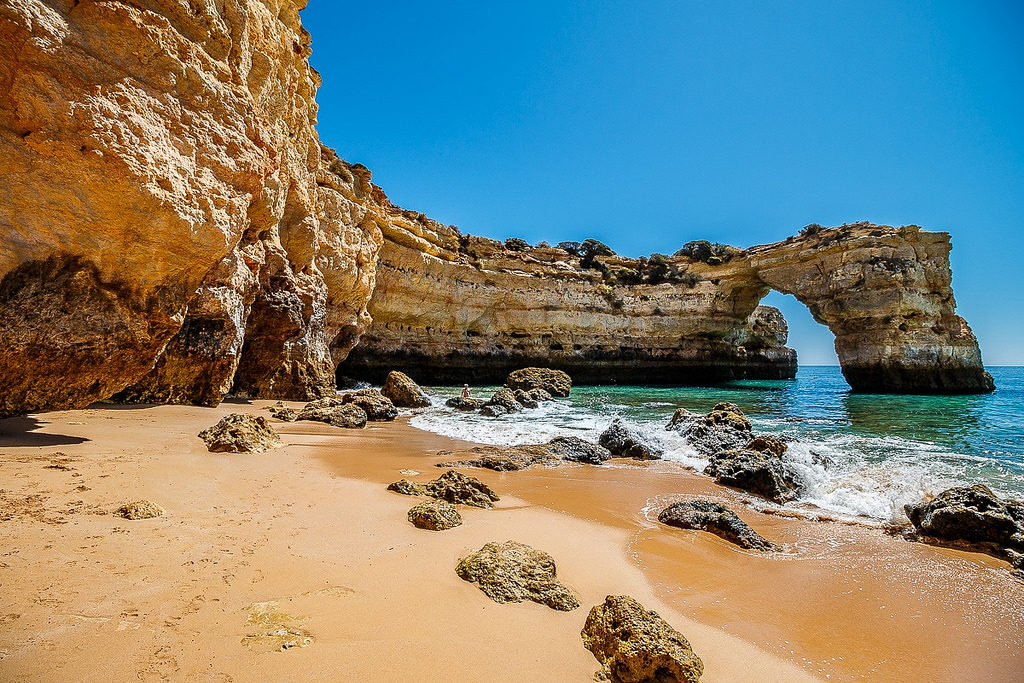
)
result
[(867, 478)]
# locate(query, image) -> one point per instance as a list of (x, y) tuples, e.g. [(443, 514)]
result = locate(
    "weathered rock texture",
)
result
[(635, 645), (434, 515), (172, 230), (715, 518), (972, 517), (514, 572), (164, 186), (139, 509), (240, 433), (452, 487), (462, 308)]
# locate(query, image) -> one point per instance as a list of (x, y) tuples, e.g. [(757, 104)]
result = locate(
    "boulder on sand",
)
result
[(377, 406), (555, 382), (622, 441), (240, 433), (759, 472), (403, 391), (453, 487), (504, 458), (513, 458), (335, 412), (456, 487), (434, 515), (972, 516), (575, 449), (707, 515), (284, 413), (139, 509), (408, 488), (514, 572), (635, 645)]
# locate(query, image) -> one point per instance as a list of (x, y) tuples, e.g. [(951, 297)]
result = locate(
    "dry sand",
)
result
[(303, 547)]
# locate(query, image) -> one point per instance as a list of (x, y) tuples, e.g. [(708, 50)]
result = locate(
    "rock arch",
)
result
[(886, 294)]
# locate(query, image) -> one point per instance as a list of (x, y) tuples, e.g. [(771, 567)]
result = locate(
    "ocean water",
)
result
[(860, 456)]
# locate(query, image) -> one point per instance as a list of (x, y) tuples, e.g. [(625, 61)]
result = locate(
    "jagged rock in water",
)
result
[(334, 412), (972, 517), (767, 444), (682, 416), (575, 449), (505, 458), (555, 382), (408, 488), (758, 472), (725, 427), (457, 488), (635, 645), (622, 441), (403, 391), (514, 572), (139, 509), (464, 404), (707, 515), (435, 515), (378, 407), (729, 415), (240, 433), (524, 399), (540, 395), (505, 400)]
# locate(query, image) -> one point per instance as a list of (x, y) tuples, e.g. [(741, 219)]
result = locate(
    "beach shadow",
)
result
[(20, 431)]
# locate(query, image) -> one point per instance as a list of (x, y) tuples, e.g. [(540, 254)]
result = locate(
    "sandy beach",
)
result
[(305, 544)]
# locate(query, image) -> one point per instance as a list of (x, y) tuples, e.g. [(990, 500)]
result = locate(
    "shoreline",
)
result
[(311, 528)]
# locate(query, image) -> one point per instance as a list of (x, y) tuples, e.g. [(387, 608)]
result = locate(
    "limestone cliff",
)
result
[(886, 294), (457, 308), (454, 308), (161, 167), (172, 230)]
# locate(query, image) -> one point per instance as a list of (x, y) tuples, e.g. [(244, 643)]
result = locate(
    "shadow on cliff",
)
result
[(20, 431)]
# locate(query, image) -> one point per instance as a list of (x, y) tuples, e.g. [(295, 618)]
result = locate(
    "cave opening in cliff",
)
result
[(813, 342)]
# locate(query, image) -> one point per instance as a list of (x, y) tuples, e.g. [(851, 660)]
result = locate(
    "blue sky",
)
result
[(648, 124)]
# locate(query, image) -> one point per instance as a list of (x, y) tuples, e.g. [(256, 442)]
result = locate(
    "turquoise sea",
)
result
[(857, 455)]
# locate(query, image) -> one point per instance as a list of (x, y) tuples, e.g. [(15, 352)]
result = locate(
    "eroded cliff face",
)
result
[(452, 308), (161, 167), (173, 230), (456, 308), (886, 293)]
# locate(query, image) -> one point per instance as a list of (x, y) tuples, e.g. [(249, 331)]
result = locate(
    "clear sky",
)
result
[(647, 124)]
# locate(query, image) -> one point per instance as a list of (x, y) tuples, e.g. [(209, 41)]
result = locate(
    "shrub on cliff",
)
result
[(812, 229), (711, 253), (658, 269), (516, 244), (587, 251)]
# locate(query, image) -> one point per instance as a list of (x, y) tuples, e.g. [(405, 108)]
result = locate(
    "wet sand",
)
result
[(304, 544)]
